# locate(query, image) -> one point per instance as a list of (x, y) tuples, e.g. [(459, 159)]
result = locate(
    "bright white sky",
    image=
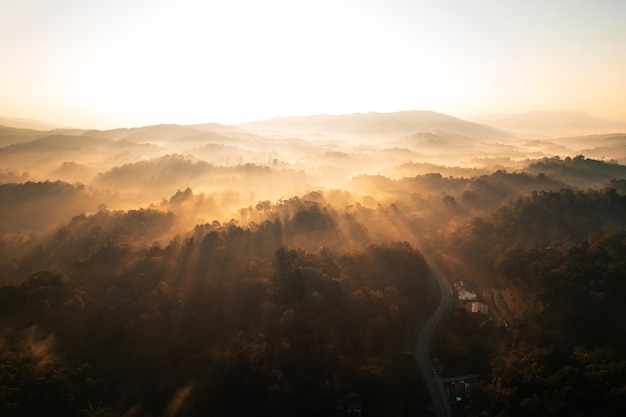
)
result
[(114, 63)]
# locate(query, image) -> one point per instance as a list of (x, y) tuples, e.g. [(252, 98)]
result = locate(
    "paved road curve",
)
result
[(435, 385)]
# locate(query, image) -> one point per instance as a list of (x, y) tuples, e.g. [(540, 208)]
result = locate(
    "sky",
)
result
[(123, 63)]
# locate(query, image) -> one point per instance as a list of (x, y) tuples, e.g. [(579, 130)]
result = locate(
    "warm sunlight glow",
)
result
[(312, 208), (88, 63)]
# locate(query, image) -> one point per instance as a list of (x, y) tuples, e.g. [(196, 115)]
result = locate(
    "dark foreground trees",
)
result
[(213, 324), (564, 354)]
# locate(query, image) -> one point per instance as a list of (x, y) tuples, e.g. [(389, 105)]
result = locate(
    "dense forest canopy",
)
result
[(221, 270)]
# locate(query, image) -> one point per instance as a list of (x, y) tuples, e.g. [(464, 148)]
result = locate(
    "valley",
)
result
[(285, 267)]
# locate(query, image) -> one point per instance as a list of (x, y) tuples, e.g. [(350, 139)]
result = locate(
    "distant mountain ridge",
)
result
[(397, 124), (551, 123), (392, 125)]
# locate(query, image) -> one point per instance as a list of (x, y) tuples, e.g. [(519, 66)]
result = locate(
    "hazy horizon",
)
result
[(555, 119), (101, 66)]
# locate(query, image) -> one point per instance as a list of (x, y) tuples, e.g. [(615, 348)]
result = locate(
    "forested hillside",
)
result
[(112, 322), (564, 254), (207, 270)]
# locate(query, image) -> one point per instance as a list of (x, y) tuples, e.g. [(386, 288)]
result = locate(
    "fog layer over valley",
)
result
[(237, 166), (277, 267)]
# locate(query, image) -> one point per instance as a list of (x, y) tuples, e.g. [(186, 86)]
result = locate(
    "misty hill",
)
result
[(62, 141), (375, 125), (609, 146), (11, 176), (437, 140), (147, 133), (74, 170), (478, 193), (551, 123), (44, 154), (166, 132), (28, 124), (156, 178), (38, 206), (13, 135), (579, 171), (164, 171), (47, 152)]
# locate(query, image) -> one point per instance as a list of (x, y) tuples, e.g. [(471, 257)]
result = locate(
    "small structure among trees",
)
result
[(476, 307)]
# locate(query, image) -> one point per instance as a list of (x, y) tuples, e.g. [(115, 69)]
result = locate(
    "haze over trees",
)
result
[(276, 267)]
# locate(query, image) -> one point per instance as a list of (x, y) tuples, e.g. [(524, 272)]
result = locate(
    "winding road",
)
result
[(435, 385)]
